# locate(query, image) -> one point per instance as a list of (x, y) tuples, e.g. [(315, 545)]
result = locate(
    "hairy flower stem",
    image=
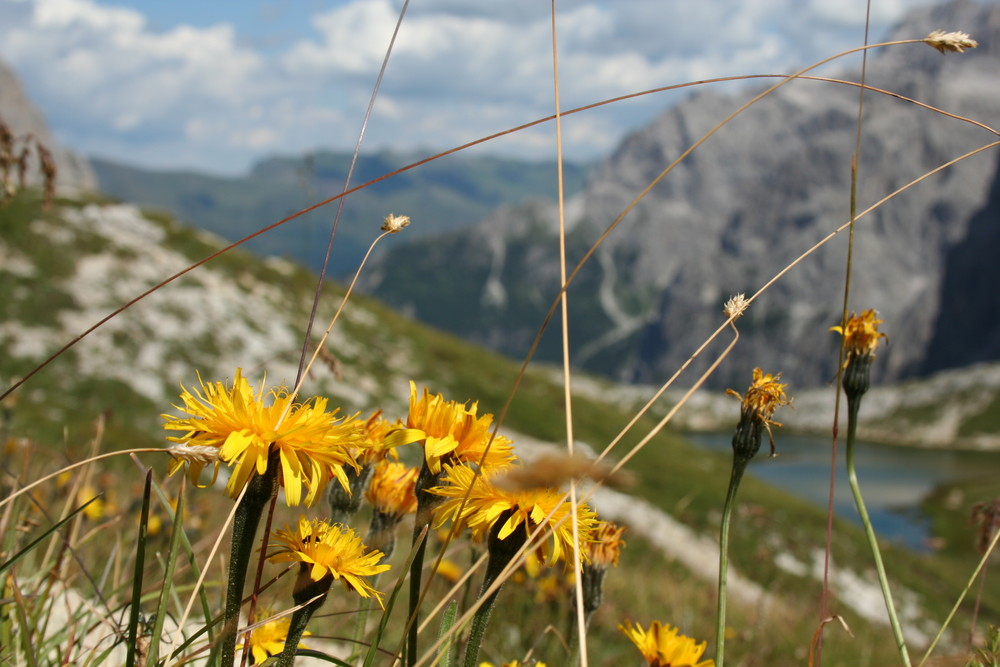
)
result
[(592, 578), (502, 551), (300, 619), (245, 522), (425, 511), (853, 405), (739, 467)]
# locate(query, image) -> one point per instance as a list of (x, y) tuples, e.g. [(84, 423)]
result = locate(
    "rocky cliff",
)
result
[(23, 119), (743, 206)]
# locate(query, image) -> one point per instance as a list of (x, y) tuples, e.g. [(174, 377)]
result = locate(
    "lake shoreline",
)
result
[(953, 410)]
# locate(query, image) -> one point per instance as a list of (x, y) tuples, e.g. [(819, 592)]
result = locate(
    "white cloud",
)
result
[(113, 84)]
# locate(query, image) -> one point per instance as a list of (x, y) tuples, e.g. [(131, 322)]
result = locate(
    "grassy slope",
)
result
[(58, 406)]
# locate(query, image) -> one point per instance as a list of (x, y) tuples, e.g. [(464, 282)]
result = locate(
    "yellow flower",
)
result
[(449, 570), (606, 545), (96, 510), (391, 488), (526, 510), (453, 432), (513, 663), (376, 444), (268, 639), (328, 550), (313, 445), (662, 646), (861, 334)]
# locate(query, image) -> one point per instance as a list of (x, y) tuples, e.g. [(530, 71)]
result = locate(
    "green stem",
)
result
[(853, 405), (739, 466), (381, 536), (425, 512), (477, 629), (245, 522), (502, 552), (300, 619), (362, 618)]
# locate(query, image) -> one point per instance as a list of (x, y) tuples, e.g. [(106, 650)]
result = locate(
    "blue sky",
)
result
[(218, 85)]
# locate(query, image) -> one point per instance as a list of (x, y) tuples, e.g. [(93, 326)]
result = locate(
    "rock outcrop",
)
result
[(24, 119)]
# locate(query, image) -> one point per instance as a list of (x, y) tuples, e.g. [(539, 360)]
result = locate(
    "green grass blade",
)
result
[(168, 577), (22, 618), (140, 562), (193, 563), (319, 655), (23, 552)]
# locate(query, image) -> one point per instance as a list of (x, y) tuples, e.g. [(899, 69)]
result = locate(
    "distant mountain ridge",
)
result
[(444, 195), (741, 207)]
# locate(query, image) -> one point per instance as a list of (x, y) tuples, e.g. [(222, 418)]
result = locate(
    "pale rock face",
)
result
[(23, 118), (748, 202)]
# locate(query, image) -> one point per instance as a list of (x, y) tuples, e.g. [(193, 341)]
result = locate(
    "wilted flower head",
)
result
[(861, 334), (395, 223), (762, 398), (861, 338), (954, 41), (600, 552), (662, 646), (606, 545)]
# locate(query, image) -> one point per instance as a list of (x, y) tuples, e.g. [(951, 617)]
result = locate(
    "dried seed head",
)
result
[(195, 453), (735, 306), (552, 471), (954, 41), (395, 223)]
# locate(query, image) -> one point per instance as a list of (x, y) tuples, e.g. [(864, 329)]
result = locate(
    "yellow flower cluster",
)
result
[(252, 428)]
